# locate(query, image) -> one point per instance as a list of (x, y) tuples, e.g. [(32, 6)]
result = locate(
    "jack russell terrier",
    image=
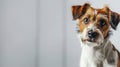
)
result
[(94, 31)]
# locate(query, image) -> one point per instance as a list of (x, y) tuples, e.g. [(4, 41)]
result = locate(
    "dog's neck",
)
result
[(103, 45), (100, 53)]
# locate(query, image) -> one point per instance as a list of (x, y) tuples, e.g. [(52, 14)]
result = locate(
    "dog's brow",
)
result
[(105, 16)]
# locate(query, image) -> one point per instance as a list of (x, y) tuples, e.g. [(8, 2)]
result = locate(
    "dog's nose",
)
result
[(92, 34)]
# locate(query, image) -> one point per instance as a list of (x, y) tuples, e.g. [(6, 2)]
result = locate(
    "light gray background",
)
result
[(41, 33)]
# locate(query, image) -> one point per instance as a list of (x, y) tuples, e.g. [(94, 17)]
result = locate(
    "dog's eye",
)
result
[(102, 23), (86, 20)]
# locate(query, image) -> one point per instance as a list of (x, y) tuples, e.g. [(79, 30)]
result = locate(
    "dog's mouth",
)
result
[(93, 40)]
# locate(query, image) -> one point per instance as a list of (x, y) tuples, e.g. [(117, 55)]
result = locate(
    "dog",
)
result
[(94, 33)]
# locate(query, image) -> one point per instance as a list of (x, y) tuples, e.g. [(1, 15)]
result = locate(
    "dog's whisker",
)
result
[(77, 29)]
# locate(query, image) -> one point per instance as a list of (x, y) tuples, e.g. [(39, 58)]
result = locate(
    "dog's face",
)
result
[(94, 24)]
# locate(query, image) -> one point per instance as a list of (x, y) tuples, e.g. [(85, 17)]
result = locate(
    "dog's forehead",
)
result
[(96, 12)]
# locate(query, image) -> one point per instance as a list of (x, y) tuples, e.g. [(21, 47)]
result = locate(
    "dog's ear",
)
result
[(115, 18), (79, 10)]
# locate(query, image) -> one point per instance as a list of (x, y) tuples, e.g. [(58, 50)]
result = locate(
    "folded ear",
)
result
[(115, 18), (78, 10)]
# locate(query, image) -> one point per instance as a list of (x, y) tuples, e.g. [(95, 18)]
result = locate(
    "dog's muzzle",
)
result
[(92, 36)]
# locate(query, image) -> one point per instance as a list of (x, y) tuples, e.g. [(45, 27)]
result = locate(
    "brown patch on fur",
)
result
[(78, 10), (114, 49), (118, 62), (118, 65), (89, 14), (105, 12), (115, 18)]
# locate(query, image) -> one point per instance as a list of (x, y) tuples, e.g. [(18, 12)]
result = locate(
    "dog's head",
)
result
[(94, 24)]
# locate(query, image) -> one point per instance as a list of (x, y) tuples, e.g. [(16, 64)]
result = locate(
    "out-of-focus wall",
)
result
[(18, 33), (32, 33), (52, 33)]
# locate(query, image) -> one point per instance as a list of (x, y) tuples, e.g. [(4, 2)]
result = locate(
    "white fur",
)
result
[(89, 57)]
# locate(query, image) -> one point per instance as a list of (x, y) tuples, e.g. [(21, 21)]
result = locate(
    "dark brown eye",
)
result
[(86, 20), (102, 23)]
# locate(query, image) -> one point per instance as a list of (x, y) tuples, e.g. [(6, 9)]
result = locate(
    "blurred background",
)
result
[(41, 33)]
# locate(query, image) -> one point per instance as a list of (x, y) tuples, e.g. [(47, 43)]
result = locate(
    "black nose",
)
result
[(92, 34)]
